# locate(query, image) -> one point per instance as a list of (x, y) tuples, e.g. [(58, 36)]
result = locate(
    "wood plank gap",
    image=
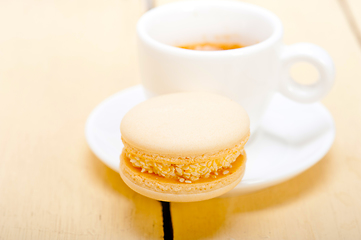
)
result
[(351, 20), (167, 221)]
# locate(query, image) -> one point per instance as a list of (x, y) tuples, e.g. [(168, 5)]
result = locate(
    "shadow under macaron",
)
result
[(206, 219)]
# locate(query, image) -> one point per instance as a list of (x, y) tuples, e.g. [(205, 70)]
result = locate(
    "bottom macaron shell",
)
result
[(171, 190)]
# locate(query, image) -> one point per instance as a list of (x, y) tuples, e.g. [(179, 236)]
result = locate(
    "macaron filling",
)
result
[(187, 173)]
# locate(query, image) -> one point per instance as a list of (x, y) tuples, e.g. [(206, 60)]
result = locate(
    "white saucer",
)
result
[(291, 139)]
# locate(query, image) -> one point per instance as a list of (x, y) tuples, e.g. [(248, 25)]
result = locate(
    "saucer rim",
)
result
[(240, 189)]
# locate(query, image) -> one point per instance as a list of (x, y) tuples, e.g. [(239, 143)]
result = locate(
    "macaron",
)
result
[(184, 147)]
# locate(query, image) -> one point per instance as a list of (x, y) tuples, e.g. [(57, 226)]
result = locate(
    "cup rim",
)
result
[(275, 36)]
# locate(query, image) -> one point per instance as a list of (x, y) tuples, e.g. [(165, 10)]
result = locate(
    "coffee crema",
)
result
[(212, 46)]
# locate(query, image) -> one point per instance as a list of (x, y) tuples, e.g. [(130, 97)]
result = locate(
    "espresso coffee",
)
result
[(211, 46)]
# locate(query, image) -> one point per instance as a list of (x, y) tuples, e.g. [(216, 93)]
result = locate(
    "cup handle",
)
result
[(318, 57)]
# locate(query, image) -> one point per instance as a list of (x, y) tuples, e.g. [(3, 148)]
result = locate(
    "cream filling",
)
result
[(187, 173)]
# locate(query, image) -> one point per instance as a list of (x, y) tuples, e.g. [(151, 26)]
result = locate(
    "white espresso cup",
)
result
[(248, 75)]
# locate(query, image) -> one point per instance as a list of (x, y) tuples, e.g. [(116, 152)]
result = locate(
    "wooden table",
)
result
[(59, 59)]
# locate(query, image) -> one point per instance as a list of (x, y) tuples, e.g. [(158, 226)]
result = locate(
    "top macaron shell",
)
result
[(185, 124)]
